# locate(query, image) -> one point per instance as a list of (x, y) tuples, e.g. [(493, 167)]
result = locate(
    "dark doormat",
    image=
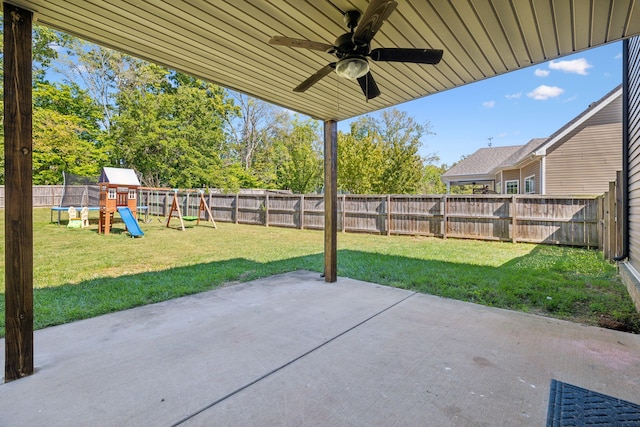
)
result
[(570, 405)]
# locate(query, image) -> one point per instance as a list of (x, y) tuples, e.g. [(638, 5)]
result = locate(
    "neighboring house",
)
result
[(582, 157)]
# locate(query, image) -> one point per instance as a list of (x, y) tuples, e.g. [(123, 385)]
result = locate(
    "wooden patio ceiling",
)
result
[(226, 41)]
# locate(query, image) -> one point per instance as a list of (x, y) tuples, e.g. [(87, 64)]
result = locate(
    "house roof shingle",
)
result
[(522, 153), (483, 161)]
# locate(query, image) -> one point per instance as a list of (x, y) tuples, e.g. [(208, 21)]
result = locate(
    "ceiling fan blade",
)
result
[(373, 18), (369, 86), (323, 72), (301, 43), (416, 56)]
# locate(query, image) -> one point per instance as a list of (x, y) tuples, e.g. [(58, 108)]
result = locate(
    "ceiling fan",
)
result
[(353, 48)]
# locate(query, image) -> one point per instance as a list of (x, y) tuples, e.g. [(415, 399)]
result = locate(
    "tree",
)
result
[(64, 119), (300, 165), (58, 146), (380, 154), (171, 129), (360, 161), (65, 133), (431, 182), (253, 130)]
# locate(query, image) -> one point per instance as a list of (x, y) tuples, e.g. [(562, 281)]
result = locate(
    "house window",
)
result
[(512, 186), (132, 194), (530, 184), (112, 194)]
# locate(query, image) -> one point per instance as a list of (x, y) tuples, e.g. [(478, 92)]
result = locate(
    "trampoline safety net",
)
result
[(80, 190)]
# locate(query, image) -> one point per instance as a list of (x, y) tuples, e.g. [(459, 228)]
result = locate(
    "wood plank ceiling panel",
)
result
[(546, 28), (563, 25), (496, 32), (226, 41), (582, 24), (509, 21)]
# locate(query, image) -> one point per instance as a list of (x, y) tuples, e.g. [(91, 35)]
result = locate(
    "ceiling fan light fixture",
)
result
[(352, 67)]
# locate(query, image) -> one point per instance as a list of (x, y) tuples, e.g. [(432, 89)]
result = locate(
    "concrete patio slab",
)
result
[(294, 350)]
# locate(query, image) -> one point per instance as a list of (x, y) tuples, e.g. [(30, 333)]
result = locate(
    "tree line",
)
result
[(106, 108)]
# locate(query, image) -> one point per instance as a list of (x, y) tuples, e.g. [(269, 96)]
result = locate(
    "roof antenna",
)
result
[(490, 139)]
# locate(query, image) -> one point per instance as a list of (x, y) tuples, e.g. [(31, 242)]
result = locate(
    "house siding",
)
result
[(586, 160), (633, 94), (510, 175), (531, 169)]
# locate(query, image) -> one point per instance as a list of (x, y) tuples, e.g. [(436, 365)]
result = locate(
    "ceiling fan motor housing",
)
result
[(347, 46)]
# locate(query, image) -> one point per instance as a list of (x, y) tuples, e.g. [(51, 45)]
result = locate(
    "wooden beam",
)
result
[(18, 211), (330, 200)]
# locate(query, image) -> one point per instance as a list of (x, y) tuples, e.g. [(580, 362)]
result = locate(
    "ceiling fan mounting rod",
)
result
[(351, 19)]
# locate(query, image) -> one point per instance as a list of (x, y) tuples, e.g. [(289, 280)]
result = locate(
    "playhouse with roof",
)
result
[(118, 193)]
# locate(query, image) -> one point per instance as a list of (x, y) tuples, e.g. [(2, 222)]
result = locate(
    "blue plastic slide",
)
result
[(130, 222)]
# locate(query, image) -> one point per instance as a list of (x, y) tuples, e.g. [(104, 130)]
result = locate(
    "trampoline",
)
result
[(78, 191)]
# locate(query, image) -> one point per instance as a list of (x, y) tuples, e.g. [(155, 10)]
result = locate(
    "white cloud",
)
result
[(618, 56), (513, 95), (539, 72), (544, 92), (489, 104), (576, 66)]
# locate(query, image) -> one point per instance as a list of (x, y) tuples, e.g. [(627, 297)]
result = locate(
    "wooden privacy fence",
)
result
[(611, 214), (574, 221), (43, 195), (589, 221)]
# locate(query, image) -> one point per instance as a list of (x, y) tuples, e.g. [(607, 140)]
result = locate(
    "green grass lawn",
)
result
[(80, 274)]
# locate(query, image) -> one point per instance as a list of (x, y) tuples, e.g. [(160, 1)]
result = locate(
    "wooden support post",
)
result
[(204, 208), (175, 207), (330, 200), (266, 210), (18, 193)]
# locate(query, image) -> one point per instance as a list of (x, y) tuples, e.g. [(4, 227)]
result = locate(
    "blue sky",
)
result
[(513, 108)]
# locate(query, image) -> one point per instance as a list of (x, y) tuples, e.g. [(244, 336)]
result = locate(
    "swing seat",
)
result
[(190, 218)]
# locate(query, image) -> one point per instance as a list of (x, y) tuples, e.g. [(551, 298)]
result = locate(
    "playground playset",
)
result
[(118, 193), (203, 209)]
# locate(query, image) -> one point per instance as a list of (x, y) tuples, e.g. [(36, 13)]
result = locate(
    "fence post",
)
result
[(620, 219), (443, 211), (388, 208), (514, 213), (600, 222), (344, 213), (606, 235), (266, 209), (166, 203), (236, 211), (301, 216), (210, 205), (612, 220)]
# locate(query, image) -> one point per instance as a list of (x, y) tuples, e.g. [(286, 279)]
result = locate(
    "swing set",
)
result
[(176, 212)]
